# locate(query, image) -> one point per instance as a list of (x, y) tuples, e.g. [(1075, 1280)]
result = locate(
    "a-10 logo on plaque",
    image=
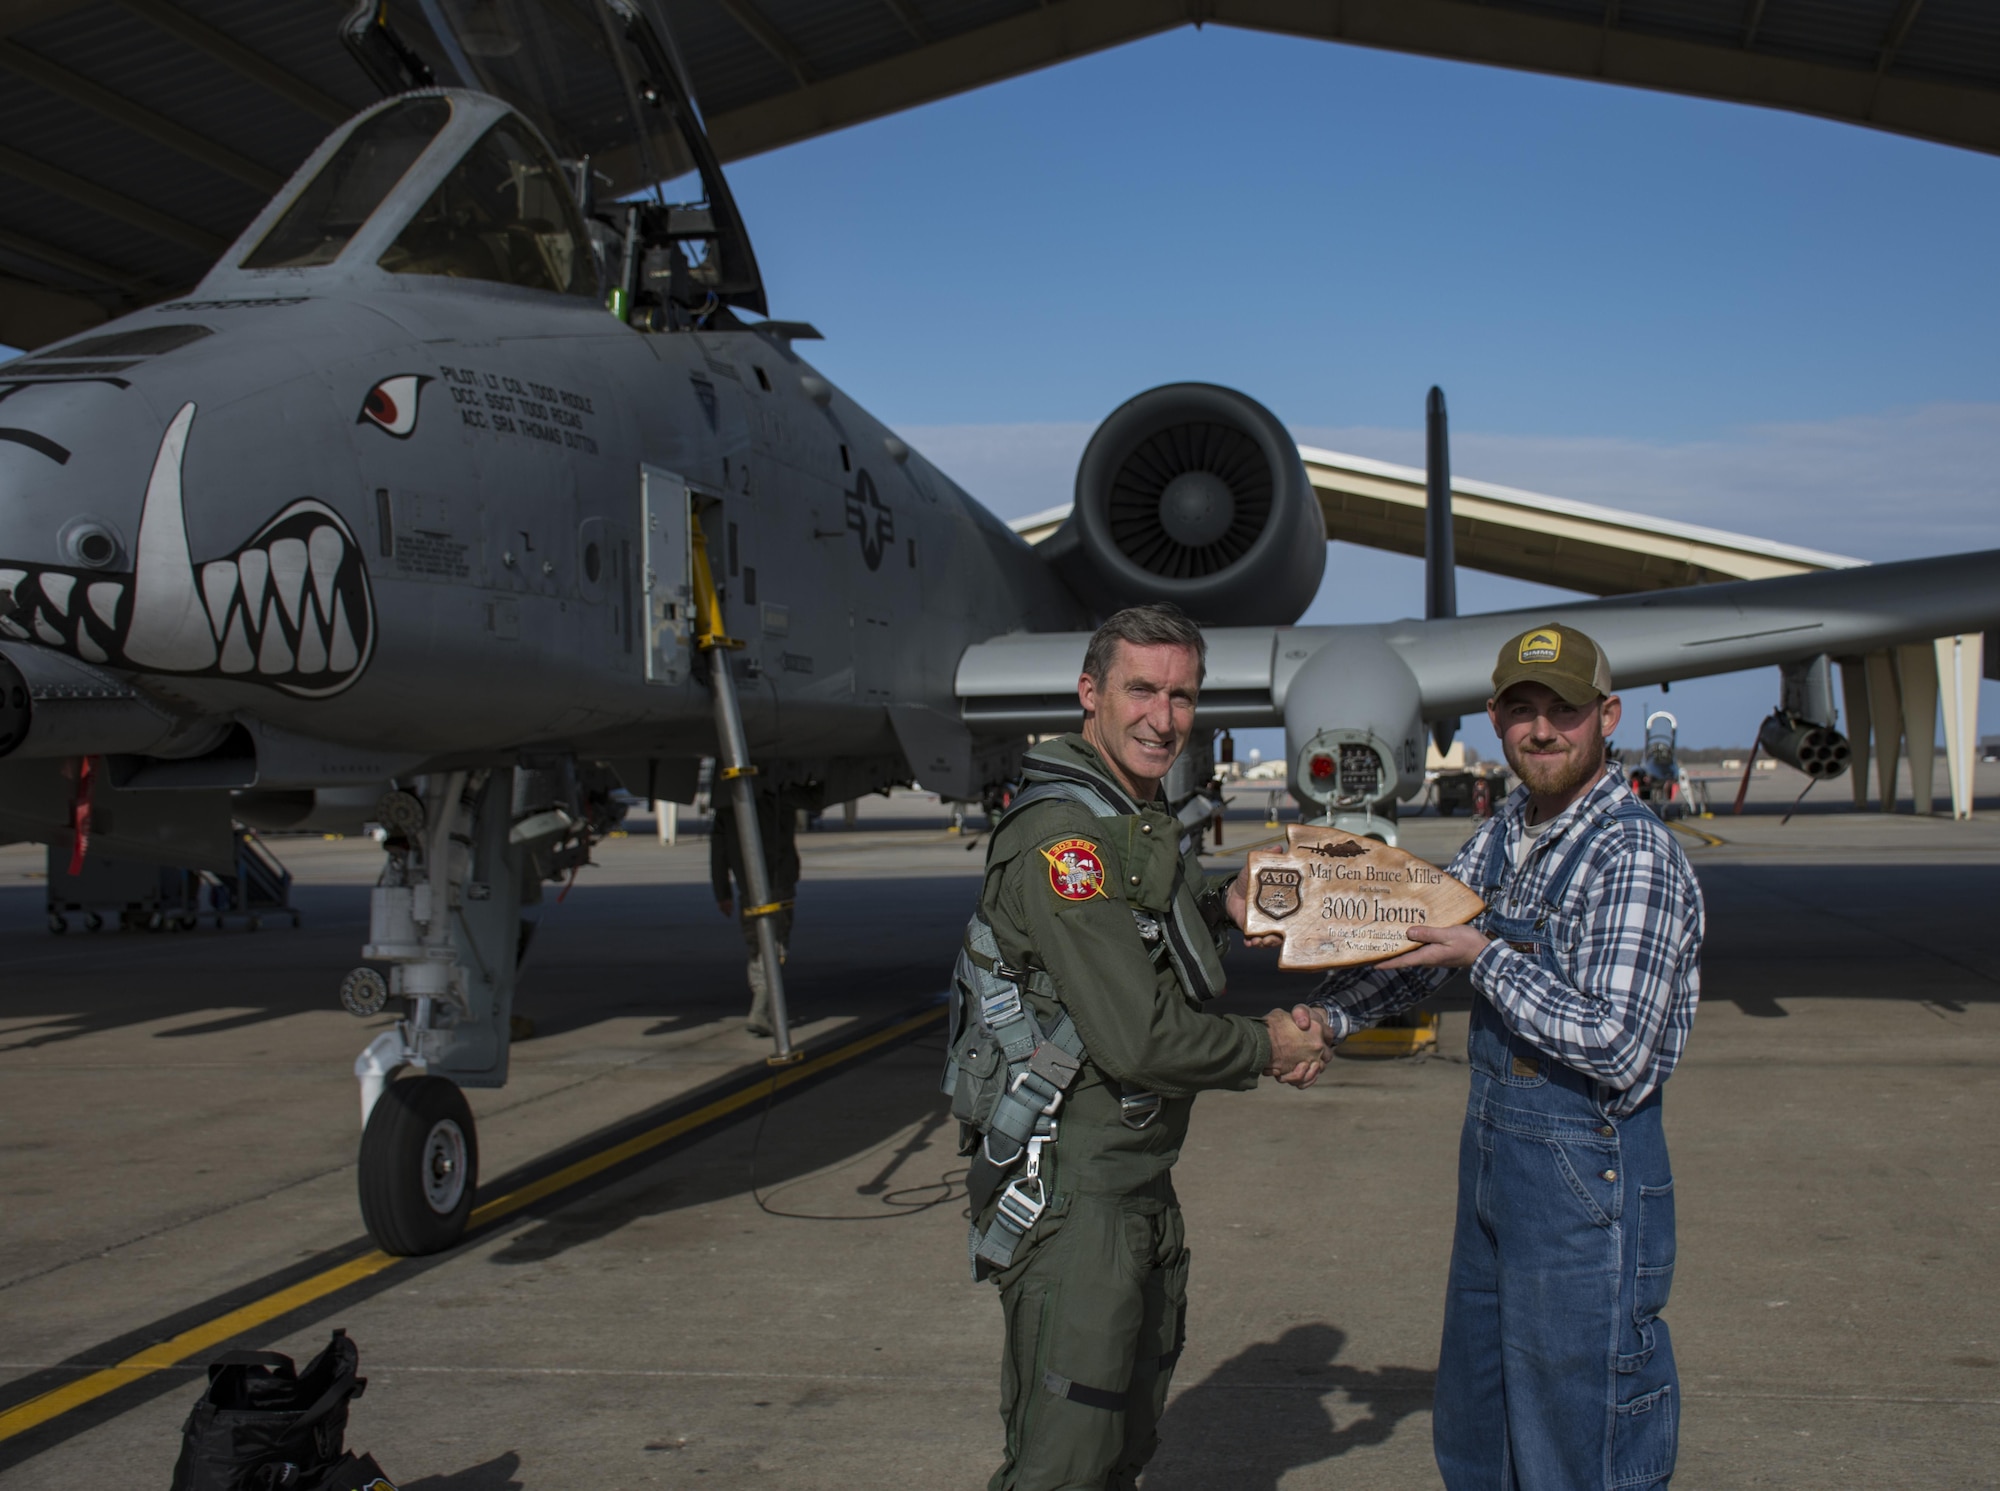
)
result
[(1339, 899), (1278, 892)]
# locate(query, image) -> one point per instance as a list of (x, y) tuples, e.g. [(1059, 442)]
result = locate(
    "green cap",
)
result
[(1561, 657)]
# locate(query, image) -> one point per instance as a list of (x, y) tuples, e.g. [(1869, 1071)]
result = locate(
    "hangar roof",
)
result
[(138, 137)]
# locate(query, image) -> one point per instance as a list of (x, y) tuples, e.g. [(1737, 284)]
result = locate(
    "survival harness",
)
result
[(1007, 1077)]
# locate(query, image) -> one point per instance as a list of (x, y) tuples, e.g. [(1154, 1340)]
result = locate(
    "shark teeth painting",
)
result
[(290, 608)]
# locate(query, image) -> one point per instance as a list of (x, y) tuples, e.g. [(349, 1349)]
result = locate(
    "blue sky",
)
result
[(1763, 322), (1731, 316)]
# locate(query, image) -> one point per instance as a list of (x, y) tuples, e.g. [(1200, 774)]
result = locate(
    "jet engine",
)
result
[(1354, 726), (1193, 494)]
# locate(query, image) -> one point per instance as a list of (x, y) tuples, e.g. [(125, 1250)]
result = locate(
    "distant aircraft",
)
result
[(391, 499)]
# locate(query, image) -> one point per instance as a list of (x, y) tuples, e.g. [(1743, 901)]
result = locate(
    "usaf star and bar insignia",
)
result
[(1076, 869)]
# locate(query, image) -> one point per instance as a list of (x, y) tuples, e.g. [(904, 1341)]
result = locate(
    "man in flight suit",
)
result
[(1120, 930)]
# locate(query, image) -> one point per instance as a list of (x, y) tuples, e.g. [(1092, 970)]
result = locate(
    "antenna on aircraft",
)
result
[(1440, 571)]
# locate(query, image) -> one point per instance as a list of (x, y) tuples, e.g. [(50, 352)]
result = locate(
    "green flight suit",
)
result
[(1095, 1298)]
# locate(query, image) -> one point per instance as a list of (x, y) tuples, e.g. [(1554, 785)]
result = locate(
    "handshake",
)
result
[(1300, 1047)]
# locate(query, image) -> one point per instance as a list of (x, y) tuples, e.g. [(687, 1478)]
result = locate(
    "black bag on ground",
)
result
[(263, 1425), (354, 1473)]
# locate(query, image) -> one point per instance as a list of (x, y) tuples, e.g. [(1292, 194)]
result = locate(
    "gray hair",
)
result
[(1158, 624)]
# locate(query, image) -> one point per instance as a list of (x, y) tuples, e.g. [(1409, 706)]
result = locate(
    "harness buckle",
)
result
[(1020, 1206), (1138, 1109), (1055, 1094), (1003, 1008)]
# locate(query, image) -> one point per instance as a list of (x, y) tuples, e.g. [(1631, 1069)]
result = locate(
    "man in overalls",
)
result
[(1103, 921), (1556, 1372)]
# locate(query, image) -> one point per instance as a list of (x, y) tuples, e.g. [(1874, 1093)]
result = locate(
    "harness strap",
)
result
[(1090, 1397), (1040, 1068)]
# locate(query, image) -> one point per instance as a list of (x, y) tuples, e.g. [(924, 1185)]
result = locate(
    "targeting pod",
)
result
[(1817, 750)]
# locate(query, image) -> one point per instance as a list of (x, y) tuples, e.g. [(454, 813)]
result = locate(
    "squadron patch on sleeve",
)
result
[(1076, 869)]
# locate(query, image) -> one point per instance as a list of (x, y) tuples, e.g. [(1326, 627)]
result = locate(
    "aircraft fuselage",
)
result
[(401, 533)]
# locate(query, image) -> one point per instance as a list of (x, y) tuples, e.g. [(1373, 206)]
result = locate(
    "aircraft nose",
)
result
[(96, 502), (72, 483)]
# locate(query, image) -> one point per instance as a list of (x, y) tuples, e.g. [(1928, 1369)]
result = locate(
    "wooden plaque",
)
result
[(1339, 899)]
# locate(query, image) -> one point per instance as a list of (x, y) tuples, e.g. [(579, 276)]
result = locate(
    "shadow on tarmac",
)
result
[(1264, 1413), (612, 951), (881, 1136), (496, 1474)]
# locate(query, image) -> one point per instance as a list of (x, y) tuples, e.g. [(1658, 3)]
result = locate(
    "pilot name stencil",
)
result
[(533, 410)]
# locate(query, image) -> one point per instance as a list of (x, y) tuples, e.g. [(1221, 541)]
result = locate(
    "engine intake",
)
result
[(1194, 494)]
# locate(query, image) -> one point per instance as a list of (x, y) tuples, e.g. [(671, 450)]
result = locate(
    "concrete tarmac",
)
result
[(784, 1303)]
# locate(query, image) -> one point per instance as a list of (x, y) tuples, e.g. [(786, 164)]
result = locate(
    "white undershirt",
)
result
[(1529, 833)]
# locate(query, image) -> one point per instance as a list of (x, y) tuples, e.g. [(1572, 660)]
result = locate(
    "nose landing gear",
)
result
[(419, 1166)]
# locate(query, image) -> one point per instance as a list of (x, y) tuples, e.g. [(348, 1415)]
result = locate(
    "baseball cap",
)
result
[(1561, 657)]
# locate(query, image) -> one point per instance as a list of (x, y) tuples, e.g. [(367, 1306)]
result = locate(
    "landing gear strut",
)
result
[(446, 918), (466, 850)]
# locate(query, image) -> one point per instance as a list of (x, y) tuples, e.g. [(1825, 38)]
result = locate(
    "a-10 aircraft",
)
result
[(459, 496)]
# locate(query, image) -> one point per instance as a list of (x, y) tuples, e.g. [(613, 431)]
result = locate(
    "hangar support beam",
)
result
[(1878, 89), (78, 89), (111, 204), (239, 58)]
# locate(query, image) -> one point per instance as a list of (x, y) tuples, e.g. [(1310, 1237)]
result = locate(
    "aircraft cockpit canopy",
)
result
[(505, 214), (350, 186), (599, 82)]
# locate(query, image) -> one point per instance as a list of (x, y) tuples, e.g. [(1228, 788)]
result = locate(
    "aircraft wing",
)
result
[(1669, 635), (1028, 681)]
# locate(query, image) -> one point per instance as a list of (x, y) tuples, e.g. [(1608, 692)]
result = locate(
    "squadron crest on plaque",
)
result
[(1338, 899), (1278, 892)]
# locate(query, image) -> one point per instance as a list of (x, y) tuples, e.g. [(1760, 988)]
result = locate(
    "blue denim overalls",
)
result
[(1555, 1373)]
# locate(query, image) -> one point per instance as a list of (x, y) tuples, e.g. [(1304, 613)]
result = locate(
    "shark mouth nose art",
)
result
[(290, 608)]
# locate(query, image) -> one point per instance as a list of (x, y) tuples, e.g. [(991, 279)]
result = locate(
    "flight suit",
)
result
[(1095, 1296), (775, 826)]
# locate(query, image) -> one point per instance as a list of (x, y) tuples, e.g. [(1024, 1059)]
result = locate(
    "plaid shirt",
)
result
[(1627, 941)]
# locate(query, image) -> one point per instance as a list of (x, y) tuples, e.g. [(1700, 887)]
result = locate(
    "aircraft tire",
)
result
[(419, 1166)]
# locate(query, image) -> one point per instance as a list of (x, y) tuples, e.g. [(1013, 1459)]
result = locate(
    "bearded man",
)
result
[(1556, 1372)]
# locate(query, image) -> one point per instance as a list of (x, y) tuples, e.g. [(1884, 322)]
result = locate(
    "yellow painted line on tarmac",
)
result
[(211, 1333), (1713, 841), (176, 1349), (617, 1154)]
